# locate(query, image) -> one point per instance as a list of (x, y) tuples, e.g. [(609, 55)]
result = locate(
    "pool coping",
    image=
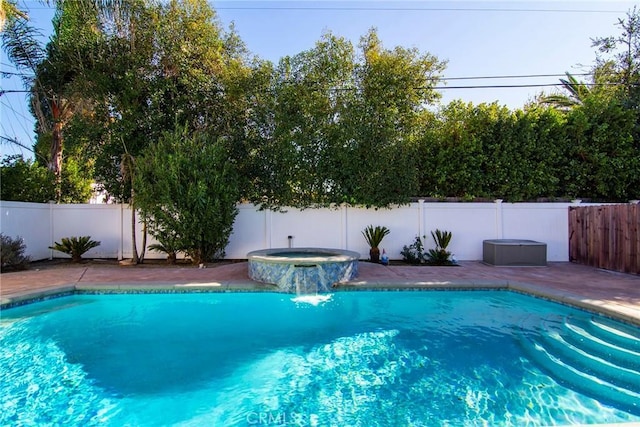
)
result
[(270, 256), (609, 309)]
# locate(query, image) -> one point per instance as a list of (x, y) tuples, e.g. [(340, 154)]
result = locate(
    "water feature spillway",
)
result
[(303, 270)]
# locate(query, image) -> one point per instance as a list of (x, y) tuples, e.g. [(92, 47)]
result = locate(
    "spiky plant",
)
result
[(441, 238), (373, 236), (440, 255), (75, 246), (167, 243)]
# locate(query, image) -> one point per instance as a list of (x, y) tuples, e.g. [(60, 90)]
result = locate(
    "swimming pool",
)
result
[(360, 358)]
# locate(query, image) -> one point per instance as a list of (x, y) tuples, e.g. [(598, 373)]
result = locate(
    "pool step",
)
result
[(619, 333), (596, 357), (591, 341), (590, 362)]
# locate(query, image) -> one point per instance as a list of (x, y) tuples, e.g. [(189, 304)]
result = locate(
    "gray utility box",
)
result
[(514, 252)]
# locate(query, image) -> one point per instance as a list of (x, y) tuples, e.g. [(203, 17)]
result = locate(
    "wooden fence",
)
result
[(606, 236)]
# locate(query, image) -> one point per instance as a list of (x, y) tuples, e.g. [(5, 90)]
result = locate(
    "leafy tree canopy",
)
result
[(187, 188), (343, 125), (25, 181)]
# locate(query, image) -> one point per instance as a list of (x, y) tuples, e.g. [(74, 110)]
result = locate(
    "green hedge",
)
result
[(488, 151)]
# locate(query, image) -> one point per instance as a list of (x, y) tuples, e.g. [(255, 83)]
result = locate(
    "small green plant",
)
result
[(413, 253), (168, 244), (75, 246), (159, 247), (12, 255), (440, 255), (373, 236)]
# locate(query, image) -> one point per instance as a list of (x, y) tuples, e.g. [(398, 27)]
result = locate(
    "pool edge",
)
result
[(616, 311)]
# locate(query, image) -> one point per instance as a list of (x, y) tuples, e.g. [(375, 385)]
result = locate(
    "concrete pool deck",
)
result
[(610, 293)]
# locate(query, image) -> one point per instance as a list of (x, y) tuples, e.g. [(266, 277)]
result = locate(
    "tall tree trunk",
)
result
[(144, 241), (137, 258), (55, 157), (134, 246), (126, 169)]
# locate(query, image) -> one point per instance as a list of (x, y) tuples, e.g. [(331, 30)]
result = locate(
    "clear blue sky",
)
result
[(477, 38)]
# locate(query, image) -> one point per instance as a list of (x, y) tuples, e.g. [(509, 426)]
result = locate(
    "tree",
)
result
[(25, 181), (57, 95), (344, 125), (159, 65), (489, 151), (302, 126), (187, 188), (20, 41), (28, 181), (394, 89), (51, 73), (9, 10), (452, 150), (603, 161), (577, 92), (618, 61)]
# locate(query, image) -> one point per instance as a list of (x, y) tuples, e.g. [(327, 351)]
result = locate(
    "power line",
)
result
[(514, 86), (227, 5), (313, 86), (14, 141), (513, 76), (411, 9), (3, 92), (8, 74), (15, 112), (523, 76), (491, 86)]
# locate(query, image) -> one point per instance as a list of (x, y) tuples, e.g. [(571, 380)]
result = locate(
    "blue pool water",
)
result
[(357, 359)]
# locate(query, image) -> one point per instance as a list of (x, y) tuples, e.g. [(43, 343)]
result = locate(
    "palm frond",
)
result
[(20, 41), (374, 235), (578, 91), (558, 101), (441, 238), (75, 246), (10, 10)]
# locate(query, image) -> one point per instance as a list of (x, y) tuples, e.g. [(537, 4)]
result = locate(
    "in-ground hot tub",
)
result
[(303, 270)]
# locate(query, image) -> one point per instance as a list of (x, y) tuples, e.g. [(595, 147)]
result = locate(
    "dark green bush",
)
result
[(187, 189), (25, 181), (413, 253), (168, 243), (12, 255)]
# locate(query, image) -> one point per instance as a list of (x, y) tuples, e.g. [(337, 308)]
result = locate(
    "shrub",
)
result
[(414, 253), (187, 183), (168, 243), (25, 181), (12, 255), (75, 246), (440, 255), (373, 236)]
